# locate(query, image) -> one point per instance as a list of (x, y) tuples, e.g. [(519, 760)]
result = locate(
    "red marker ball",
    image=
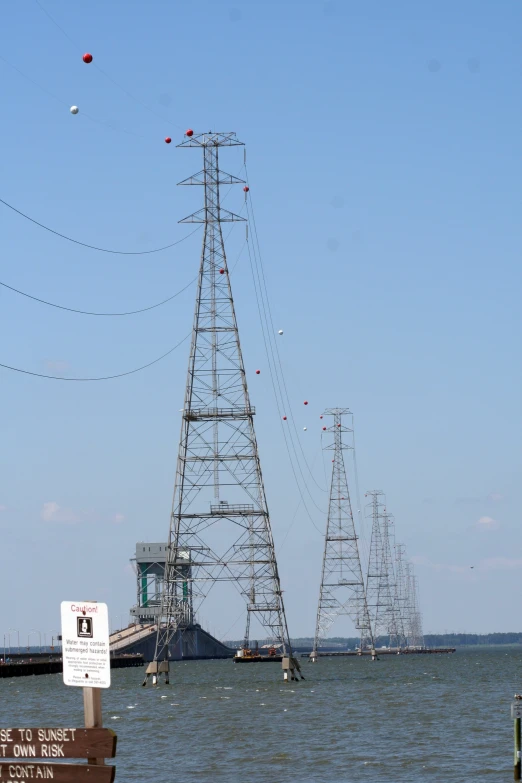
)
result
[(324, 428), (221, 271), (338, 425), (168, 140), (305, 402), (87, 58), (320, 417), (284, 418), (190, 132), (246, 188), (257, 372)]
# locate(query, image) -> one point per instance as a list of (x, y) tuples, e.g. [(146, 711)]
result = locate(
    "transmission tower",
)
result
[(415, 634), (342, 589), (395, 622), (214, 538), (401, 594), (379, 589)]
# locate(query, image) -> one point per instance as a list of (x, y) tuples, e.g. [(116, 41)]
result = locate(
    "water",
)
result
[(402, 719)]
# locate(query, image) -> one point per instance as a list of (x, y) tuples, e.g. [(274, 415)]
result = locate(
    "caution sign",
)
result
[(85, 644)]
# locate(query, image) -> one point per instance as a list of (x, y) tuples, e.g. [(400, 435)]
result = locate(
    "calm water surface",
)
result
[(402, 719)]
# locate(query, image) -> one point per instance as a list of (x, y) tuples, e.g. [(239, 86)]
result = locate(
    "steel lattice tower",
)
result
[(395, 624), (342, 590), (401, 591), (415, 634), (212, 539), (378, 587)]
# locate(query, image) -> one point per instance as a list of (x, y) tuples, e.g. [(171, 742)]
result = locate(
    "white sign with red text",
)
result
[(85, 644)]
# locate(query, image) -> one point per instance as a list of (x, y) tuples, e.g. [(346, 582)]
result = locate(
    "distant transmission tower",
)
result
[(342, 589), (395, 622), (379, 589), (401, 594), (213, 539), (415, 633)]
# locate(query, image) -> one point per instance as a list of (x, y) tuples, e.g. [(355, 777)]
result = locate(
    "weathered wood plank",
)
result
[(54, 743), (61, 773)]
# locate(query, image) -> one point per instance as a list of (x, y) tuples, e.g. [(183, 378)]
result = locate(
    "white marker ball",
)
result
[(305, 428), (280, 331), (74, 110)]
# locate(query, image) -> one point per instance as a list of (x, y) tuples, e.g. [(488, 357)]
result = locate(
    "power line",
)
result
[(107, 76), (86, 312), (129, 312), (280, 379), (295, 512), (64, 103), (55, 23), (271, 345), (118, 375), (270, 321), (276, 384), (102, 378), (94, 247)]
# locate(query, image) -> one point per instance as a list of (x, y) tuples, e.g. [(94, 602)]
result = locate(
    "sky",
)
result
[(383, 153)]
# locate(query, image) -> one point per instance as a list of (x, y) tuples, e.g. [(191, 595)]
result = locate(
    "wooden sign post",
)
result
[(24, 753), (92, 710), (86, 657), (21, 751)]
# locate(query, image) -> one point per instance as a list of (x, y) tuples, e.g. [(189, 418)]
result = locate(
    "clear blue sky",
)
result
[(384, 159)]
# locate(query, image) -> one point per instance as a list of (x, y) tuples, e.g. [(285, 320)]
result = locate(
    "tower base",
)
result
[(157, 668), (290, 669)]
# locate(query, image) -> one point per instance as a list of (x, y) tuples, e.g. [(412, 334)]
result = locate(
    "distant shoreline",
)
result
[(468, 640)]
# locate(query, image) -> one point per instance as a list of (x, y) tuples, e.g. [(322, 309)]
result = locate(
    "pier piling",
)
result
[(517, 760), (516, 714)]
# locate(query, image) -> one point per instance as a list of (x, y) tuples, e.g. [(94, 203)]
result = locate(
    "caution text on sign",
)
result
[(85, 644)]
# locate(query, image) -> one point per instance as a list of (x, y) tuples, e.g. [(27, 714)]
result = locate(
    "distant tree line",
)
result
[(459, 639)]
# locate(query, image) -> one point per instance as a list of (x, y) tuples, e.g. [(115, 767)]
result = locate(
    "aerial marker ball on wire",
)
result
[(305, 402), (221, 271), (246, 188), (74, 110), (167, 140), (324, 429), (304, 428), (87, 58), (189, 132), (258, 372), (280, 331), (284, 418)]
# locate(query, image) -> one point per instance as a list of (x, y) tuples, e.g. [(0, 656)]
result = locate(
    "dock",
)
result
[(54, 665)]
